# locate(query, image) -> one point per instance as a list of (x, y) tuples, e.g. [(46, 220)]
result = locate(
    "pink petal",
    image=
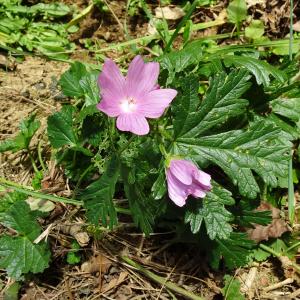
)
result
[(109, 107), (141, 77), (196, 191), (134, 123), (154, 103), (111, 81), (182, 170), (203, 179), (176, 190)]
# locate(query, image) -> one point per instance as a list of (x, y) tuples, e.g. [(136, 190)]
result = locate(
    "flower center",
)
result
[(128, 105)]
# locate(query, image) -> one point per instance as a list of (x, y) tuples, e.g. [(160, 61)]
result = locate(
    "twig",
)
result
[(295, 294), (161, 280), (278, 285)]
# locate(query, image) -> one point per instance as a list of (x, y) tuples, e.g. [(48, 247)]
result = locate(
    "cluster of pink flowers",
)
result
[(136, 97)]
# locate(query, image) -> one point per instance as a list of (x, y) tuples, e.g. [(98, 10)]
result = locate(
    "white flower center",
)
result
[(128, 105)]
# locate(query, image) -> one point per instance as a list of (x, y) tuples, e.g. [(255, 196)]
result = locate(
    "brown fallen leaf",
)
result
[(99, 263), (77, 232), (115, 282), (273, 230), (296, 26), (169, 12)]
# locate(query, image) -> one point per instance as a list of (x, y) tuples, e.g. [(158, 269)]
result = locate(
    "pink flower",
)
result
[(184, 179), (134, 98)]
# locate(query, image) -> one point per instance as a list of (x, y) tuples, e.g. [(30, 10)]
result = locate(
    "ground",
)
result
[(30, 85)]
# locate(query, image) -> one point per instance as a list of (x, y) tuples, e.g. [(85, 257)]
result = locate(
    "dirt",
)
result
[(30, 88)]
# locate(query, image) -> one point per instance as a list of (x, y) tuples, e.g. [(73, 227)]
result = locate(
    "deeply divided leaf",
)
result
[(235, 250), (260, 69), (259, 148), (141, 205), (60, 128), (222, 101), (211, 210), (98, 196)]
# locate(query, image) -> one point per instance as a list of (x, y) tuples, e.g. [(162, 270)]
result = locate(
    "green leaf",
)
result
[(247, 216), (231, 290), (60, 131), (289, 108), (255, 30), (9, 199), (19, 254), (177, 61), (222, 101), (90, 88), (12, 292), (69, 81), (261, 148), (28, 128), (211, 210), (20, 218), (235, 250), (260, 69), (159, 188), (98, 196), (291, 132), (142, 209), (237, 11)]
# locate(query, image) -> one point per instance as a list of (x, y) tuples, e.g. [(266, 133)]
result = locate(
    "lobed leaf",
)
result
[(28, 128), (69, 81), (235, 250), (260, 69), (141, 206), (177, 61), (289, 108), (211, 210), (98, 196), (60, 128), (261, 148), (222, 101), (237, 11), (19, 254)]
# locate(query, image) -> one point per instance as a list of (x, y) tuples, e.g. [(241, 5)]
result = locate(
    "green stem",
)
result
[(149, 38), (161, 280), (291, 30), (163, 150), (122, 210), (180, 25), (292, 247), (270, 250), (90, 167), (26, 190), (36, 170), (291, 194), (40, 156)]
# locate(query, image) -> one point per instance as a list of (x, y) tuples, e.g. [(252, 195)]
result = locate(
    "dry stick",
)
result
[(278, 285), (161, 280)]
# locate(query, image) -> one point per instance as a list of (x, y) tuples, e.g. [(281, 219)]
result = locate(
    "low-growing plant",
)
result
[(190, 142)]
